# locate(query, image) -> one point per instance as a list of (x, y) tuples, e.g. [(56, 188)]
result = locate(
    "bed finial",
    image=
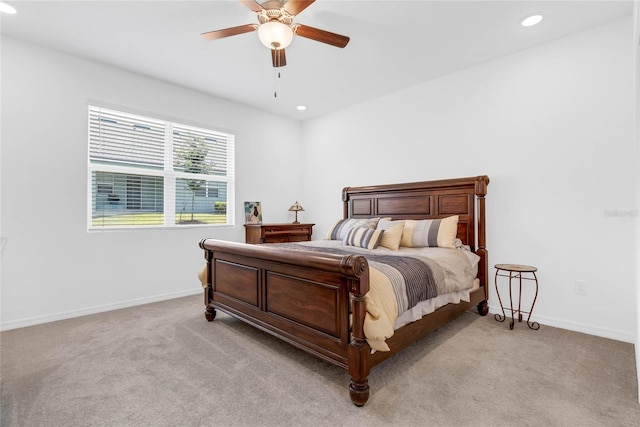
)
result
[(345, 194), (481, 185), (356, 265)]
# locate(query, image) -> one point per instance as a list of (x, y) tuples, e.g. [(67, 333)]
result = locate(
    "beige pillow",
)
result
[(392, 233), (430, 233)]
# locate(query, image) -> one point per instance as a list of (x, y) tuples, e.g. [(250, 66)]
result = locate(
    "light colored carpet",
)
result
[(163, 364)]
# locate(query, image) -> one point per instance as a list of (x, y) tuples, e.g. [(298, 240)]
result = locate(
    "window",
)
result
[(145, 172)]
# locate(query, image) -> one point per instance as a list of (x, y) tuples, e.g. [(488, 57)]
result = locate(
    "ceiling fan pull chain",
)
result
[(275, 84)]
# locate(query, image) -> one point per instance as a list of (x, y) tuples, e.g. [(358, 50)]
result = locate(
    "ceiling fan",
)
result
[(276, 27)]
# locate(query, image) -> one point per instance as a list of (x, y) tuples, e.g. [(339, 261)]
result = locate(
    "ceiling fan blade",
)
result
[(251, 4), (278, 58), (233, 31), (294, 7), (322, 36)]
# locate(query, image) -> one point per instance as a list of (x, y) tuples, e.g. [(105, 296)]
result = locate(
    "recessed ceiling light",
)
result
[(301, 107), (5, 8), (531, 20)]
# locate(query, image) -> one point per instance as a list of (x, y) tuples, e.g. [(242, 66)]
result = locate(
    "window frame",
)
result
[(169, 173)]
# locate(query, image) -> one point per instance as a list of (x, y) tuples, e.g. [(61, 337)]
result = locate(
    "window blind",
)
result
[(145, 172)]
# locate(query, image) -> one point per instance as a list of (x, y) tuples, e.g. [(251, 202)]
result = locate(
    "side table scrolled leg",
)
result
[(533, 325), (499, 317), (513, 316)]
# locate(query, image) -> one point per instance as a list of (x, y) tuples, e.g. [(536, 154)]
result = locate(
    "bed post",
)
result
[(345, 202), (359, 366), (481, 251), (209, 311)]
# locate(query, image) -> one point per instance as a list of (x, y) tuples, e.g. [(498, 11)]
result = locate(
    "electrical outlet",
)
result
[(581, 287)]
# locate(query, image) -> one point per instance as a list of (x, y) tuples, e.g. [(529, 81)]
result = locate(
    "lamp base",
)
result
[(296, 222)]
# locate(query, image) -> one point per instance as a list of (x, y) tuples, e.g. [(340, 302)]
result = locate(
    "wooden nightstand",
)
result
[(277, 233)]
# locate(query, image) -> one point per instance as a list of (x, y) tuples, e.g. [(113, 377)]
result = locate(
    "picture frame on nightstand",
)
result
[(253, 212)]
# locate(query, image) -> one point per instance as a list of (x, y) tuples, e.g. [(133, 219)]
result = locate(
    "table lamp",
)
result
[(296, 207)]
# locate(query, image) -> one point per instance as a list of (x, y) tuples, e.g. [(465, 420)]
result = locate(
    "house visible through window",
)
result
[(149, 172), (208, 191)]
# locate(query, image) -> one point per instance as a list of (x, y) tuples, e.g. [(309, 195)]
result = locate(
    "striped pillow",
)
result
[(430, 233), (364, 237), (392, 233), (341, 228)]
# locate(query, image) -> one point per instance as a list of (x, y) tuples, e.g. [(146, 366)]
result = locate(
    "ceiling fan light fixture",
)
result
[(275, 35)]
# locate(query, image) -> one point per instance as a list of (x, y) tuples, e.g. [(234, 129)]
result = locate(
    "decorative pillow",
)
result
[(341, 228), (430, 233), (364, 237), (392, 233)]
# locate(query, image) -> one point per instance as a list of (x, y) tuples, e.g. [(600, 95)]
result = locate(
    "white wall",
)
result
[(52, 267), (553, 127)]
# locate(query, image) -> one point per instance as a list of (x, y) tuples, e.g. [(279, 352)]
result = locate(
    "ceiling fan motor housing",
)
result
[(273, 10)]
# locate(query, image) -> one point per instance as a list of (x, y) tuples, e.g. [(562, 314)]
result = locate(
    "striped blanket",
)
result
[(396, 284)]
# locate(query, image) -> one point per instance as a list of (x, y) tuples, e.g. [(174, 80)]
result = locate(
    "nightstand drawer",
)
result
[(278, 233), (270, 232)]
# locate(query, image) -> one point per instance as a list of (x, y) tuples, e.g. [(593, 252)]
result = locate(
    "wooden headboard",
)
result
[(428, 200)]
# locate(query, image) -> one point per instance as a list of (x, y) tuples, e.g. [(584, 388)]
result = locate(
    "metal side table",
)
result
[(519, 272)]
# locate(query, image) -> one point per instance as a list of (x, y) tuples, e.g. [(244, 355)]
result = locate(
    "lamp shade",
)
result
[(296, 207), (275, 35)]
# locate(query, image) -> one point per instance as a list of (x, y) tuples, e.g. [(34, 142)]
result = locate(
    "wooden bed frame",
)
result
[(306, 298)]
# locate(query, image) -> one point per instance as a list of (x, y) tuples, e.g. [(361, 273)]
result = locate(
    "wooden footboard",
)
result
[(301, 297)]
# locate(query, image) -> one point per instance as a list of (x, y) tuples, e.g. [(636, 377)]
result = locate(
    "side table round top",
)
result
[(516, 267)]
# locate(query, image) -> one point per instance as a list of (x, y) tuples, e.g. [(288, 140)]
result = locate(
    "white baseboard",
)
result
[(94, 310), (543, 320), (578, 327)]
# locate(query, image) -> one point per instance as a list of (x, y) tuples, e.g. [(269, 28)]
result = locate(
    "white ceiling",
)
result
[(394, 44)]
